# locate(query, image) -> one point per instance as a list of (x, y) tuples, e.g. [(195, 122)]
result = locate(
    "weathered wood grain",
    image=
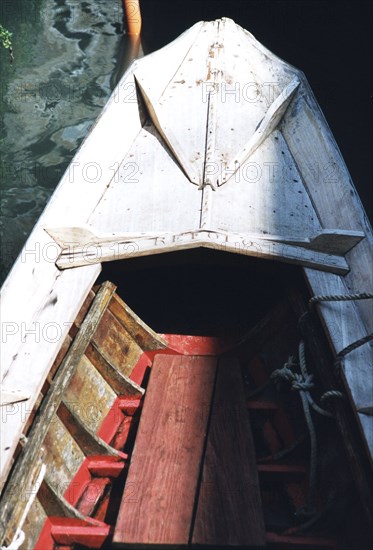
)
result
[(34, 523), (63, 456), (159, 496), (143, 335), (21, 476), (28, 286), (89, 394), (41, 340), (329, 185), (35, 292), (54, 503), (15, 522), (229, 510), (120, 383), (145, 180), (266, 126), (117, 344), (89, 442), (335, 199), (314, 251)]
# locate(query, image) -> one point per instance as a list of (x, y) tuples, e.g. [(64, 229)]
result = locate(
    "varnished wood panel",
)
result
[(229, 510), (117, 344), (89, 395), (158, 500)]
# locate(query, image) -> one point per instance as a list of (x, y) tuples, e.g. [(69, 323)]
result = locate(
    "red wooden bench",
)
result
[(192, 478)]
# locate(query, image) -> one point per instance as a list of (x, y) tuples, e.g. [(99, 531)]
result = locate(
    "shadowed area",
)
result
[(201, 291)]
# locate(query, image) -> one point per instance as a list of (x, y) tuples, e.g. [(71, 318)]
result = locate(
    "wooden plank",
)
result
[(143, 335), (89, 442), (265, 127), (37, 472), (266, 196), (329, 184), (337, 204), (71, 531), (21, 473), (290, 248), (117, 344), (89, 395), (120, 384), (184, 135), (229, 510), (28, 368), (54, 503), (244, 84), (63, 456), (344, 325), (159, 495), (29, 295), (34, 523), (34, 274)]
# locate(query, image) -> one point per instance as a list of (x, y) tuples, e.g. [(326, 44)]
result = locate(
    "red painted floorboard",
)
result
[(159, 497), (229, 508)]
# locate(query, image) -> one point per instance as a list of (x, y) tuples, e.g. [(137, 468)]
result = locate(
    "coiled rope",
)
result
[(303, 382)]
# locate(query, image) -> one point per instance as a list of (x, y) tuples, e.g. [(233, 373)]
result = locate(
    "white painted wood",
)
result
[(149, 192), (266, 195), (334, 197), (251, 79), (28, 297), (266, 126), (147, 180), (175, 53), (88, 248), (329, 184), (79, 191), (34, 273), (344, 326), (185, 133), (76, 239), (336, 241), (9, 396), (40, 343)]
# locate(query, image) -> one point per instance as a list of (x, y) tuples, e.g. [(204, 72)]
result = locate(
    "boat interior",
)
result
[(293, 482)]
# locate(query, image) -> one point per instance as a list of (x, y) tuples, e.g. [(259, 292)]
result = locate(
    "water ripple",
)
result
[(66, 56)]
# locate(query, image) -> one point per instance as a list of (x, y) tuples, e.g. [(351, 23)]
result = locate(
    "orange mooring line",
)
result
[(133, 16)]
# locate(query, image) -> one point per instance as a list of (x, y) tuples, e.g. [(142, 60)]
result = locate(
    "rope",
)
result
[(310, 508), (339, 297), (332, 393), (18, 540), (340, 355), (303, 382), (342, 298), (19, 536), (353, 346)]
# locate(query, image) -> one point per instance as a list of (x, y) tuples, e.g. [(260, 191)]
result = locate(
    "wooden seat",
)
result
[(192, 478)]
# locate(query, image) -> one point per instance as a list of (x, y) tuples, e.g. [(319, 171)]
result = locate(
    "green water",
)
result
[(68, 55)]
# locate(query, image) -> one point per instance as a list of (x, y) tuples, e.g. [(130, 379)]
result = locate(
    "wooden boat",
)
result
[(213, 196)]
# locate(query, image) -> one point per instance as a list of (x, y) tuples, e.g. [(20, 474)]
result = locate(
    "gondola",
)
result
[(187, 332)]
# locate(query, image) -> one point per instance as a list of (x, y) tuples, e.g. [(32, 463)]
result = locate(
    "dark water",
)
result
[(67, 56), (70, 53)]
